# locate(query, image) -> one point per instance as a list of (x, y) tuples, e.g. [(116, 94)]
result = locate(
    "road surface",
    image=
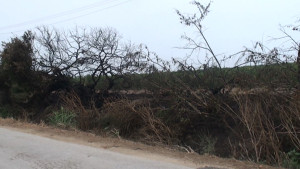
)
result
[(26, 151)]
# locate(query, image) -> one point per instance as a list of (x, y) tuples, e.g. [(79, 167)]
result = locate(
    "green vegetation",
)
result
[(6, 112), (63, 118), (267, 76), (293, 160)]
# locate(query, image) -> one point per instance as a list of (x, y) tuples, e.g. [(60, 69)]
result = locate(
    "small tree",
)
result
[(17, 58), (16, 69)]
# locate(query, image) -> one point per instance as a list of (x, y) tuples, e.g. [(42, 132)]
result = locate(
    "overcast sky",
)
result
[(231, 24)]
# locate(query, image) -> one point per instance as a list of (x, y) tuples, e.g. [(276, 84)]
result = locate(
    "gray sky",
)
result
[(230, 25)]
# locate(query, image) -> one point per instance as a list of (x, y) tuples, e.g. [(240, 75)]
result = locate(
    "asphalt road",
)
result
[(26, 151)]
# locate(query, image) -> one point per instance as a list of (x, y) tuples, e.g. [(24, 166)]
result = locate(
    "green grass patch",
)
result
[(63, 118)]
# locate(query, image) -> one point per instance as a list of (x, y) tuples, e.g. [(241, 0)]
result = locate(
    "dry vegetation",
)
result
[(79, 78)]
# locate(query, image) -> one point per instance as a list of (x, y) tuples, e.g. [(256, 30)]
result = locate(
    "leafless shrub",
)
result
[(265, 121), (86, 118), (290, 118), (196, 21), (136, 119)]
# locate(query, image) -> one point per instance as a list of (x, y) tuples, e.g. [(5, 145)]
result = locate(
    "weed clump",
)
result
[(63, 118)]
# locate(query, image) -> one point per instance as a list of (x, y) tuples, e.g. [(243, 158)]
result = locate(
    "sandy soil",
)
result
[(160, 153)]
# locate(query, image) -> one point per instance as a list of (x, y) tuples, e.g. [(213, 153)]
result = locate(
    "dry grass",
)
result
[(86, 117), (267, 125), (136, 119), (261, 126)]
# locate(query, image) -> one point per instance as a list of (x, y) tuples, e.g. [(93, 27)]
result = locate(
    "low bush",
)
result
[(63, 118), (6, 111), (17, 112), (292, 160), (135, 120), (265, 124), (86, 117)]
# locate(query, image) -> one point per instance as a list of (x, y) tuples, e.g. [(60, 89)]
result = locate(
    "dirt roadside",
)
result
[(161, 153)]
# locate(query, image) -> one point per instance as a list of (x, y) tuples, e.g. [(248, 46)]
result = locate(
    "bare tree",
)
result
[(60, 53), (195, 20), (96, 52), (110, 59), (217, 80)]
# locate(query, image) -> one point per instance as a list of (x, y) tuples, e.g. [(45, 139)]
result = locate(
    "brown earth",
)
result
[(172, 154)]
